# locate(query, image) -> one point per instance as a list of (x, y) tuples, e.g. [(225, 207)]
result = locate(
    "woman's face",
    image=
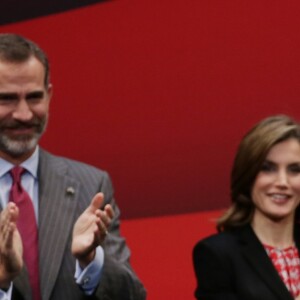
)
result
[(276, 189)]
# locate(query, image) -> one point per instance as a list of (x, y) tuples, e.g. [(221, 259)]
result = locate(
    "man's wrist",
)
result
[(87, 259)]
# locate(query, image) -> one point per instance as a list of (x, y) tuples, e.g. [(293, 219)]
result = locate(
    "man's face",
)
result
[(24, 106)]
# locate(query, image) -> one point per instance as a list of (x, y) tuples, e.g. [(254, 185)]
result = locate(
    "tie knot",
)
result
[(16, 173)]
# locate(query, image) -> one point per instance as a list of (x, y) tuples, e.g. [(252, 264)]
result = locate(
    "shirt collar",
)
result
[(30, 164)]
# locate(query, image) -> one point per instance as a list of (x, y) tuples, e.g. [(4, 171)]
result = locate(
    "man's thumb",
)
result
[(97, 201)]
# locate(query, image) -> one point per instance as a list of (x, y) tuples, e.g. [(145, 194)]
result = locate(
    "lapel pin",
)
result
[(70, 190)]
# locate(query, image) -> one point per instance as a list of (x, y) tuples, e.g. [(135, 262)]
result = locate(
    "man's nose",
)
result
[(22, 111)]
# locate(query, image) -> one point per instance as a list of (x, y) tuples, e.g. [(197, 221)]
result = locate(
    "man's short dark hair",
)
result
[(17, 49)]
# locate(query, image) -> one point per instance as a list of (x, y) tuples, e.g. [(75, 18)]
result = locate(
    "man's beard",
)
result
[(19, 145)]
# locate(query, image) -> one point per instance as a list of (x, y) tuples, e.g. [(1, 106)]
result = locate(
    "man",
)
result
[(80, 254)]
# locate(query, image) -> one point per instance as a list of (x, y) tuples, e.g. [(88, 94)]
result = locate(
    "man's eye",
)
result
[(7, 97), (35, 97)]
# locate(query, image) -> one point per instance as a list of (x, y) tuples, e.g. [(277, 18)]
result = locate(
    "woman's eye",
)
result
[(267, 167), (295, 168)]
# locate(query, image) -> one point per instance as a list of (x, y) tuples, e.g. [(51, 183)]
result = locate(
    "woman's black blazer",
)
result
[(234, 265)]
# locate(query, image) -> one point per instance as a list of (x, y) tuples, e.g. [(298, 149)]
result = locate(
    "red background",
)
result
[(159, 93)]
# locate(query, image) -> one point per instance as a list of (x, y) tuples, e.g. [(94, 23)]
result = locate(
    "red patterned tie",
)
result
[(28, 229)]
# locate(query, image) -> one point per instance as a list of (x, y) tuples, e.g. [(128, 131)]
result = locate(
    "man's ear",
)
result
[(50, 91)]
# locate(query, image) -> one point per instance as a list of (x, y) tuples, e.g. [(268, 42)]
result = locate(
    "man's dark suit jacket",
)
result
[(234, 265), (66, 188)]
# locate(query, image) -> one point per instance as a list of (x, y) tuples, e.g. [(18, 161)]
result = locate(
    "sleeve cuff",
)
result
[(89, 277)]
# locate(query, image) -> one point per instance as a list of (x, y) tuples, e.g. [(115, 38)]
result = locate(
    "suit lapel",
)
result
[(57, 204), (258, 259), (21, 283)]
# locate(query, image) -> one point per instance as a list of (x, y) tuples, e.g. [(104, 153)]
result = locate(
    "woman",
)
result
[(255, 255)]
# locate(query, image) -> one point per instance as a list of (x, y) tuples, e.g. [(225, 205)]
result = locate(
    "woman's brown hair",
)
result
[(248, 161)]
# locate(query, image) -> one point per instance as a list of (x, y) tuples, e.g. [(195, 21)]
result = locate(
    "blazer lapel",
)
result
[(255, 253), (57, 204)]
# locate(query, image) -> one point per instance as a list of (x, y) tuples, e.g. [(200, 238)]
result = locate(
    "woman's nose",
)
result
[(282, 179)]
